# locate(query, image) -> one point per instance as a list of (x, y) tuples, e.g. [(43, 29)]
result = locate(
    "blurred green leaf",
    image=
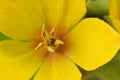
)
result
[(97, 8), (108, 20), (4, 37)]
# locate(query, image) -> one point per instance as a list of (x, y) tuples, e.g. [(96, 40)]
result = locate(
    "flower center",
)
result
[(49, 40)]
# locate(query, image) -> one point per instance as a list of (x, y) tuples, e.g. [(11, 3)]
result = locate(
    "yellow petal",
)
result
[(114, 8), (52, 10), (57, 68), (74, 11), (63, 13), (115, 23), (13, 49), (114, 13), (19, 18), (22, 68), (94, 43)]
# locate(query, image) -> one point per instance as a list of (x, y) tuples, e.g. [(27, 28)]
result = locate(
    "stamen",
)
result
[(43, 30), (52, 31), (50, 49), (39, 45), (59, 42), (47, 36), (50, 43)]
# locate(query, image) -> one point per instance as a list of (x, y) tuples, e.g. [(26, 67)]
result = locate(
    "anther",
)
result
[(59, 42), (50, 49)]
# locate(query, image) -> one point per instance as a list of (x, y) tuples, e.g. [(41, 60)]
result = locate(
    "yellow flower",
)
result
[(114, 13), (49, 39)]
